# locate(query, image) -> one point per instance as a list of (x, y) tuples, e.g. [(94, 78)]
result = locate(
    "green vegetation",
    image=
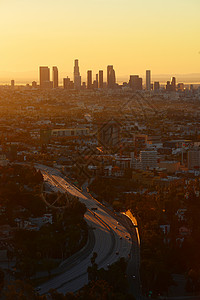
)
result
[(19, 193), (2, 275), (103, 284), (162, 253), (19, 290), (34, 250), (42, 246)]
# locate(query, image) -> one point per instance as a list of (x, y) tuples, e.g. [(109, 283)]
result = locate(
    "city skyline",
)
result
[(132, 36), (135, 82), (99, 149), (190, 78)]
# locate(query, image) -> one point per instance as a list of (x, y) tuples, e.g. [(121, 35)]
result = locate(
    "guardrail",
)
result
[(129, 214)]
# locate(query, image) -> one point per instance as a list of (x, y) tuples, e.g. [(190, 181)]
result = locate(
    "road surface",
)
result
[(112, 240)]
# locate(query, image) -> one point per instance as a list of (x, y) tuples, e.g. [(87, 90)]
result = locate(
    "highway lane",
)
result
[(80, 267), (110, 238)]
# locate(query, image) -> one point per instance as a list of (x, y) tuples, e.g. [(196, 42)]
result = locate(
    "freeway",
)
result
[(111, 238)]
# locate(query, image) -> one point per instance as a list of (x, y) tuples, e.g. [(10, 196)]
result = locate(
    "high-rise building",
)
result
[(135, 82), (97, 81), (77, 77), (156, 86), (68, 84), (44, 76), (168, 86), (12, 83), (173, 84), (101, 79), (180, 87), (89, 79), (111, 80), (55, 77), (148, 80)]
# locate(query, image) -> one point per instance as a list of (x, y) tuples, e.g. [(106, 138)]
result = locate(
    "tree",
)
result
[(92, 270), (2, 275), (21, 290)]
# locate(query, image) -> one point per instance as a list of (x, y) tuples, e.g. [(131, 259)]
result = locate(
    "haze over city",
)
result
[(131, 35), (99, 150)]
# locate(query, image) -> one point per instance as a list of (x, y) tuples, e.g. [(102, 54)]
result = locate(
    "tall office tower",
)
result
[(180, 87), (173, 84), (156, 86), (89, 79), (168, 86), (55, 77), (44, 76), (148, 80), (12, 83), (68, 84), (77, 77), (135, 82), (97, 80), (101, 79), (111, 80)]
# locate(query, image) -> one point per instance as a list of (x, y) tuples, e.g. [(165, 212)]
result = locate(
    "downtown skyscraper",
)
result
[(100, 79), (89, 79), (111, 79), (44, 76), (55, 77), (77, 77), (148, 80)]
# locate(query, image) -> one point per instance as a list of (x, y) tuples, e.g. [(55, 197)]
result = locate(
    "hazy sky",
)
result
[(161, 35)]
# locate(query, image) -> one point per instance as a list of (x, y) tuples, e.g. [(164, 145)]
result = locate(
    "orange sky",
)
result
[(132, 35)]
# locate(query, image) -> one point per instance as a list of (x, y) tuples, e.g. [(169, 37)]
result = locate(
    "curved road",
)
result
[(112, 240)]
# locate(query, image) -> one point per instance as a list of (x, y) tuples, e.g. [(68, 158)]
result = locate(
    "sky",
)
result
[(161, 35)]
